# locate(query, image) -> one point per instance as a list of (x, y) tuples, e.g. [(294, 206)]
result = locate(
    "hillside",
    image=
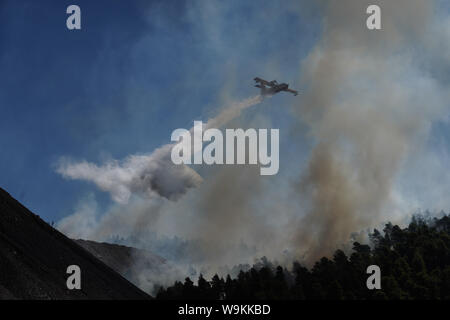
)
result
[(34, 258), (130, 262)]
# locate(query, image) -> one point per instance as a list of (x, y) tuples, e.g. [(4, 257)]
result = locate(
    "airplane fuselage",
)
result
[(272, 87), (272, 90)]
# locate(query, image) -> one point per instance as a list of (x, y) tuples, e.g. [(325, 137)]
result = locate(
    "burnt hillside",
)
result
[(132, 263), (34, 258)]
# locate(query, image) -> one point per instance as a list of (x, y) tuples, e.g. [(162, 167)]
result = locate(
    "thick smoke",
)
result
[(142, 186), (367, 101)]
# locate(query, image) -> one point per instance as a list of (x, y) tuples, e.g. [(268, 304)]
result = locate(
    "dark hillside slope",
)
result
[(128, 261), (34, 258)]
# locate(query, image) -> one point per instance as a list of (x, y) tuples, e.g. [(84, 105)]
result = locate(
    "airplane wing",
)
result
[(292, 91), (262, 81)]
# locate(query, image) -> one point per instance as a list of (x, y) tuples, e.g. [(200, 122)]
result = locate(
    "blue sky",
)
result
[(136, 71)]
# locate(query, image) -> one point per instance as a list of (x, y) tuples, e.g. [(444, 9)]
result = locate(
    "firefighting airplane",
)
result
[(273, 87)]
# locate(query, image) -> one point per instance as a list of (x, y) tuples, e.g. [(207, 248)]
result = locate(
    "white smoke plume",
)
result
[(147, 175)]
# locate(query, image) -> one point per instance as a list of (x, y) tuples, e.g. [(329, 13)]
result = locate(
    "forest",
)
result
[(414, 263)]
